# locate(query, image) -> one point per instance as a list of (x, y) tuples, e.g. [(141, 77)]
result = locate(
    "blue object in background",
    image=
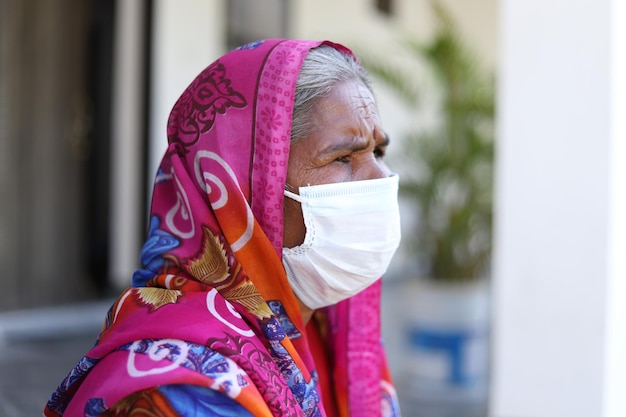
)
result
[(449, 342)]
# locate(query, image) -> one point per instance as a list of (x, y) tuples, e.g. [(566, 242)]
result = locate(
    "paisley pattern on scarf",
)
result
[(211, 325), (209, 95)]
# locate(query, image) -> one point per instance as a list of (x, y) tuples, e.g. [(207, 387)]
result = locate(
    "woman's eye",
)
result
[(343, 159)]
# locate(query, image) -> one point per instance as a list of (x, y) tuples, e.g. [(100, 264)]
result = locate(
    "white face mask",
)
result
[(352, 232)]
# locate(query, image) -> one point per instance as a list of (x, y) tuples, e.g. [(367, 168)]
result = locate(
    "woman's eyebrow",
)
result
[(353, 144)]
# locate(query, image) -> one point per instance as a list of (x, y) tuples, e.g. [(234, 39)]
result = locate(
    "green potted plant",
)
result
[(446, 181), (447, 175)]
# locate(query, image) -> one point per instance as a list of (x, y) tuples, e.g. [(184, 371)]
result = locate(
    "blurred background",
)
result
[(506, 118)]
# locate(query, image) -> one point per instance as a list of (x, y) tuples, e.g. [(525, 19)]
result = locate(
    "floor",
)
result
[(38, 348)]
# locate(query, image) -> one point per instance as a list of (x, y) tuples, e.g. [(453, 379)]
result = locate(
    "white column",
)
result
[(559, 333), (615, 346), (127, 120), (187, 36)]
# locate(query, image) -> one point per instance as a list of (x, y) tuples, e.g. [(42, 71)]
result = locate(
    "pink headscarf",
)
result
[(213, 285)]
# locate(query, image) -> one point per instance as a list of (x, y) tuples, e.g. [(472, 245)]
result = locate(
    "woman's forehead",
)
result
[(350, 102)]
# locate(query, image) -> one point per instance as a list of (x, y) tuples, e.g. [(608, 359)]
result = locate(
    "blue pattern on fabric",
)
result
[(157, 243), (194, 400), (199, 358), (281, 315), (60, 399), (251, 45), (95, 407), (306, 394), (392, 403)]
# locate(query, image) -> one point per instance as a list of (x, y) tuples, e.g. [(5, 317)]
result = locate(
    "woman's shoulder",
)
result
[(146, 372)]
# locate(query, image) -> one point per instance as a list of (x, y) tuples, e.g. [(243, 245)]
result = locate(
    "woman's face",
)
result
[(346, 143)]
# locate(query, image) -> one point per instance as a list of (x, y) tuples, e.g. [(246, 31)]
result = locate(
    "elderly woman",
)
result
[(273, 217)]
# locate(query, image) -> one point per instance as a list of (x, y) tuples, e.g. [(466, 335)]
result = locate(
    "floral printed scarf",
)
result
[(212, 307)]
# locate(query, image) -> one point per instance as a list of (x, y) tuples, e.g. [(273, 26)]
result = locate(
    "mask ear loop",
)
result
[(294, 196)]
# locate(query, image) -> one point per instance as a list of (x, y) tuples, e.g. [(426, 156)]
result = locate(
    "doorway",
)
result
[(54, 147)]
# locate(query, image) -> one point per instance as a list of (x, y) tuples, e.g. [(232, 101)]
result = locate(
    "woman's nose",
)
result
[(371, 169)]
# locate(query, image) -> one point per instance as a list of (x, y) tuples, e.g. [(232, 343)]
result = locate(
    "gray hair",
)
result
[(321, 70)]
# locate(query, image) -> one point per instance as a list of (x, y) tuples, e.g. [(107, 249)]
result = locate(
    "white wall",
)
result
[(559, 264), (188, 36), (358, 25), (615, 345)]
